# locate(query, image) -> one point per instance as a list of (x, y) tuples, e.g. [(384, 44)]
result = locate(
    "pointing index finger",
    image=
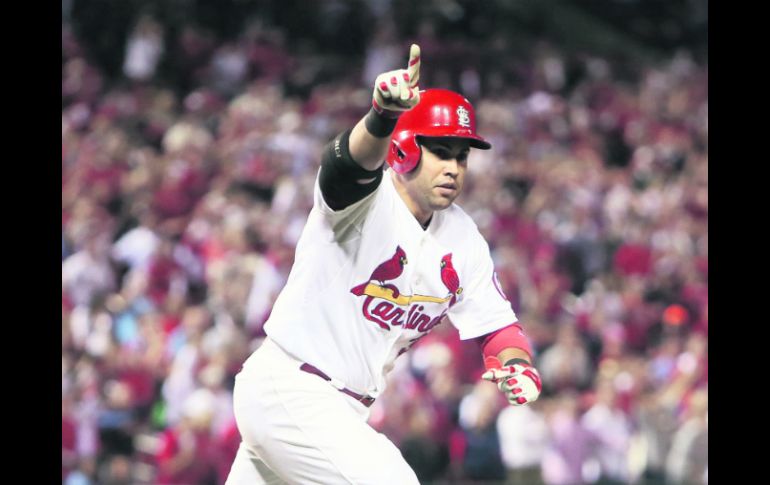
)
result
[(414, 65)]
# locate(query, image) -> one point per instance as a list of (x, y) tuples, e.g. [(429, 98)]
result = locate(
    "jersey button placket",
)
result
[(420, 245)]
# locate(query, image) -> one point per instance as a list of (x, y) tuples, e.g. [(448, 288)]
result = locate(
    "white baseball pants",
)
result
[(298, 429)]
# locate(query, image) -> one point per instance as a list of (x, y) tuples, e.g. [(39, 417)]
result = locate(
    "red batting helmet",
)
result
[(440, 113)]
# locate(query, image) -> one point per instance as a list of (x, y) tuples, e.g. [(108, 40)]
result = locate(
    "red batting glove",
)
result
[(520, 382), (397, 91)]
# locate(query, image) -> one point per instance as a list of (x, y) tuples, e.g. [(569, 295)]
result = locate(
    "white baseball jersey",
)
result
[(368, 281)]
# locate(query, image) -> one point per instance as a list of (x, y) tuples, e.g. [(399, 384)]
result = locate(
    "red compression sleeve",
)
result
[(510, 336)]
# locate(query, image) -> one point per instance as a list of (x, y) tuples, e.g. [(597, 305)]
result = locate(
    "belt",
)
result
[(365, 400)]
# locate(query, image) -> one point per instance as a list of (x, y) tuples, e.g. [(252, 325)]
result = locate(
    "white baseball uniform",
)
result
[(368, 281)]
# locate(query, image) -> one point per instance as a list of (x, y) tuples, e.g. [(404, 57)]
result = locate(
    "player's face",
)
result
[(438, 179)]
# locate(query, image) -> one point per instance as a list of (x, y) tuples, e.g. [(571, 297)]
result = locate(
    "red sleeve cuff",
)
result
[(510, 336)]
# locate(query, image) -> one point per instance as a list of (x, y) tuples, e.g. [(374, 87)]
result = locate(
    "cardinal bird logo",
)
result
[(390, 269), (449, 278), (387, 307)]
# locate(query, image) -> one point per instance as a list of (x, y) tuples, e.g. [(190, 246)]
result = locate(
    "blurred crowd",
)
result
[(181, 206)]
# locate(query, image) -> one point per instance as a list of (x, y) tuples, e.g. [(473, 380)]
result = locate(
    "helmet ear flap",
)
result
[(404, 152)]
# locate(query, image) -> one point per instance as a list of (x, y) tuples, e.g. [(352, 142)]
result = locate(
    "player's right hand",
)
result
[(397, 91)]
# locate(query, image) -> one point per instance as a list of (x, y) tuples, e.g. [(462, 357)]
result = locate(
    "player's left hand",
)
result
[(519, 382)]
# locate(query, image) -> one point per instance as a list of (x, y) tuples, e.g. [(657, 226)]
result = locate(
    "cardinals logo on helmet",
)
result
[(463, 117)]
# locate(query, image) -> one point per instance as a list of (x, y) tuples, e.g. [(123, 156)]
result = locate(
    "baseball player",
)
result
[(385, 256)]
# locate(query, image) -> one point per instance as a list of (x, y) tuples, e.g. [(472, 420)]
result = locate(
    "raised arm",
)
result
[(394, 93), (351, 167)]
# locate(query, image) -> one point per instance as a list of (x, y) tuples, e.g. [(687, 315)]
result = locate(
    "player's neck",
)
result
[(422, 215)]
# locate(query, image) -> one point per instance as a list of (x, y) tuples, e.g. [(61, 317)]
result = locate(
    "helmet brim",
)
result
[(475, 141), (480, 143)]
